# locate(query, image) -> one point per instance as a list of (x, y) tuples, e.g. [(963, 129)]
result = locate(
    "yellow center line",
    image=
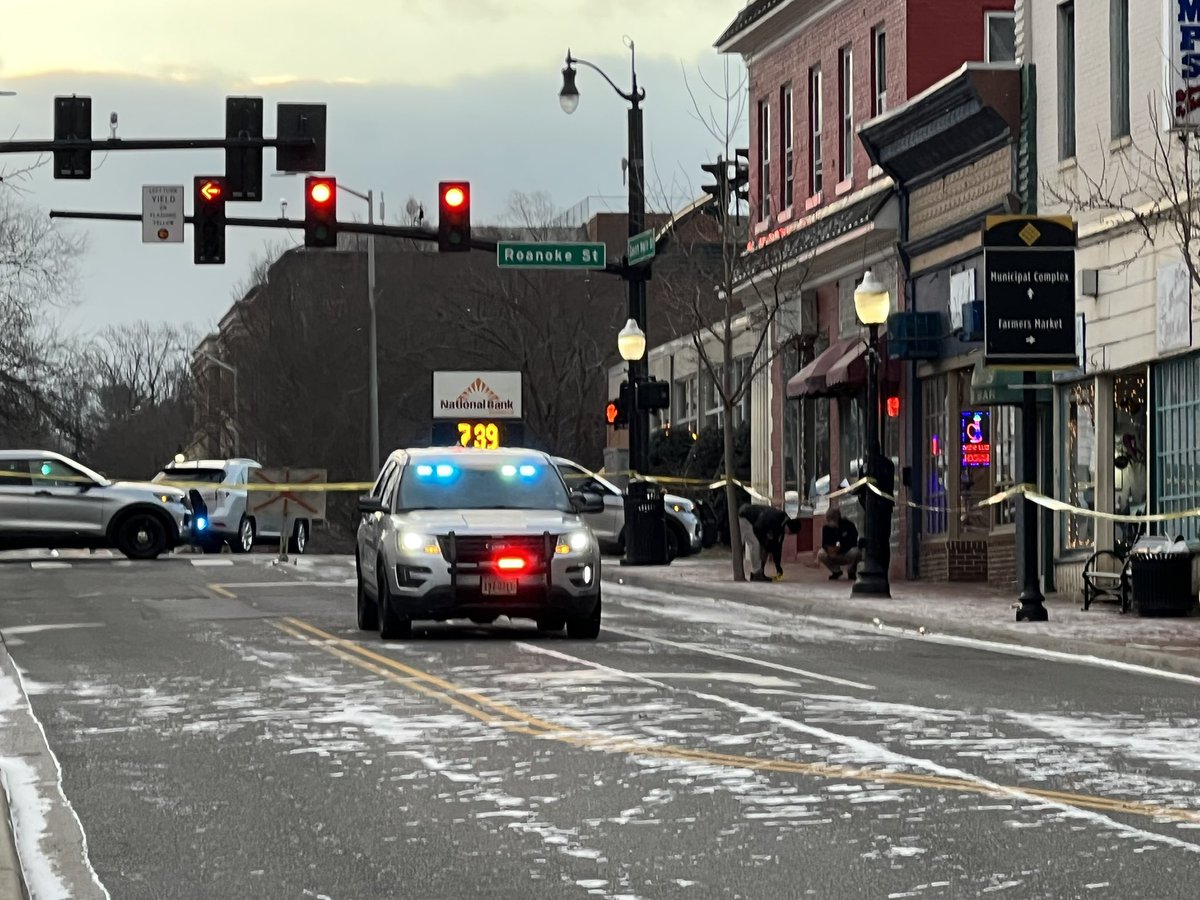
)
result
[(222, 591), (493, 712)]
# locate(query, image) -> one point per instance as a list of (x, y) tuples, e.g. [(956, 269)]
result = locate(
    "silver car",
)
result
[(476, 534), (685, 533), (48, 500)]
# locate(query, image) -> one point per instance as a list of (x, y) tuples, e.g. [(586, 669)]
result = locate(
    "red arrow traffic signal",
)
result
[(210, 190)]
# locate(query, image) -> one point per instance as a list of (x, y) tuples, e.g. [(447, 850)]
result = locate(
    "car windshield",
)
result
[(207, 476), (499, 482)]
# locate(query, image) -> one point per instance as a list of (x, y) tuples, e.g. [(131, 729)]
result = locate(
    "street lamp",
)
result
[(631, 342), (373, 353), (220, 363), (873, 304), (639, 419)]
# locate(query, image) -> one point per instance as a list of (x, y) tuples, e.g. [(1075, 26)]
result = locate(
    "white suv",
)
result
[(221, 484), (48, 500)]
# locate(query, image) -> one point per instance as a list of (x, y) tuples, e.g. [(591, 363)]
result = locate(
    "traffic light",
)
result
[(719, 191), (454, 216), (208, 220), (740, 186), (654, 395), (244, 166), (320, 211), (72, 122), (616, 413)]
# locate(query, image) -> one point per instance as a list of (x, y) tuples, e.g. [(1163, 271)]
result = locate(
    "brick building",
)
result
[(819, 69)]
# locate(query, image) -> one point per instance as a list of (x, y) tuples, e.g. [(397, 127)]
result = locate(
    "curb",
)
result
[(826, 611), (12, 879)]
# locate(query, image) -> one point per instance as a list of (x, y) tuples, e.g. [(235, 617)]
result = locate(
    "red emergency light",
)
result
[(511, 564)]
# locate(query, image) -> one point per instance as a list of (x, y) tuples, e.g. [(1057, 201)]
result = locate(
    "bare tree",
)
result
[(738, 293)]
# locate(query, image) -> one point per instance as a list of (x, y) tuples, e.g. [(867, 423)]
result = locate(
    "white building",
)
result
[(1128, 426)]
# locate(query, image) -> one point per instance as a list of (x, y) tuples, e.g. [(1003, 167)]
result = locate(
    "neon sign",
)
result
[(976, 439)]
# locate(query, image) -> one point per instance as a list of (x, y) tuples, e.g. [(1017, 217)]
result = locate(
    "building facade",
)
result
[(1125, 424), (822, 213)]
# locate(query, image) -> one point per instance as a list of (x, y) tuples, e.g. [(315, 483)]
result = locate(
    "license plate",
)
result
[(499, 587)]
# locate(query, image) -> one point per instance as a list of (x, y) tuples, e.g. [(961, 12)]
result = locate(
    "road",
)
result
[(224, 731)]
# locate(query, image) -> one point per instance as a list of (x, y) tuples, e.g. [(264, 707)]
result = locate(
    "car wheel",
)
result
[(368, 612), (586, 627), (672, 543), (244, 542), (299, 539), (142, 536), (392, 625), (550, 624)]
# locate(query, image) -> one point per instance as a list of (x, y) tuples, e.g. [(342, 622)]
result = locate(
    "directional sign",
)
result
[(1029, 293), (162, 213), (641, 247), (558, 255)]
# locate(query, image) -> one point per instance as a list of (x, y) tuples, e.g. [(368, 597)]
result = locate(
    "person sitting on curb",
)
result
[(762, 529), (839, 545)]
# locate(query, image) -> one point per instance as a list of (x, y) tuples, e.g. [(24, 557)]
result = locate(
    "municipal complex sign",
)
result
[(481, 395), (1181, 49)]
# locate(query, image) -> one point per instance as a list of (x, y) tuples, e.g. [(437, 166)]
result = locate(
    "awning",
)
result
[(850, 372), (811, 380)]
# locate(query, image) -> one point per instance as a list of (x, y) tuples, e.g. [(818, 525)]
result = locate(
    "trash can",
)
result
[(1161, 577), (645, 525)]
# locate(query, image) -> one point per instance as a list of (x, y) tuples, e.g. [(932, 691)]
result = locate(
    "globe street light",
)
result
[(631, 342), (873, 304)]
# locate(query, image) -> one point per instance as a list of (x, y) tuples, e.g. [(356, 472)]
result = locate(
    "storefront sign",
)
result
[(976, 439), (1029, 292), (482, 395), (1004, 387), (1174, 307), (1181, 44)]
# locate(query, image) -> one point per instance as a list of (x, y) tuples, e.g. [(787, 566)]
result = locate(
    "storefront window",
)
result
[(973, 459), (1004, 461), (851, 428), (1129, 454), (1177, 442), (937, 440), (792, 477), (1079, 465)]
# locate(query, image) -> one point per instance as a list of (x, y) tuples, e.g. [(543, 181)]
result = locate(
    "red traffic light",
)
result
[(211, 190), (893, 407), (321, 192), (454, 197)]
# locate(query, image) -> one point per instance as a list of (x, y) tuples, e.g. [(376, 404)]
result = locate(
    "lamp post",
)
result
[(872, 303), (232, 370), (568, 98), (373, 351)]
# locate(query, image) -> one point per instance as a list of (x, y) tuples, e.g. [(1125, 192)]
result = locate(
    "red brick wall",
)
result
[(957, 32), (1002, 560), (935, 561)]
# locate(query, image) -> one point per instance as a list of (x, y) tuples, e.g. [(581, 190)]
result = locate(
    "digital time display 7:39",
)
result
[(478, 434)]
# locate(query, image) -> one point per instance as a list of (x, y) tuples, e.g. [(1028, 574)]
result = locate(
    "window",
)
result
[(1177, 442), (1004, 461), (1130, 428), (1066, 81), (764, 160), (848, 323), (816, 116), (14, 473), (793, 456), (1079, 464), (684, 397), (937, 440), (741, 371), (1118, 59), (1001, 37), (787, 134), (879, 71), (846, 110)]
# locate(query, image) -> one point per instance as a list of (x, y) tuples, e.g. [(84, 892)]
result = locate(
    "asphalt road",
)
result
[(225, 731)]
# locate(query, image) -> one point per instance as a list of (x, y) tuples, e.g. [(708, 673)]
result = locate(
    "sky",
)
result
[(418, 91)]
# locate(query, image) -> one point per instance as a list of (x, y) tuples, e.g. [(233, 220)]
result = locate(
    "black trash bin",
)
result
[(645, 525), (1161, 578)]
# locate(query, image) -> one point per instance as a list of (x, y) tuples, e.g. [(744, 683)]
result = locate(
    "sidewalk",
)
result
[(971, 610)]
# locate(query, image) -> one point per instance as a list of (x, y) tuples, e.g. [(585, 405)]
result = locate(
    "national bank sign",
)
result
[(1182, 45), (471, 394)]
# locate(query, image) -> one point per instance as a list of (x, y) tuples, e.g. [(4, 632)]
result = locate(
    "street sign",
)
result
[(280, 495), (162, 214), (640, 248), (1029, 292), (556, 255)]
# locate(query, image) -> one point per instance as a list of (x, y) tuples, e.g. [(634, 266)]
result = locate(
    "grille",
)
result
[(475, 549)]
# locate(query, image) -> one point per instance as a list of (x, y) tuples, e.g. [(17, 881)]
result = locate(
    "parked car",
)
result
[(685, 533), (476, 534), (220, 483), (49, 500)]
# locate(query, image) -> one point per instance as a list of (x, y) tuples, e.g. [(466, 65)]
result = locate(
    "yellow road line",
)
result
[(493, 712), (222, 591)]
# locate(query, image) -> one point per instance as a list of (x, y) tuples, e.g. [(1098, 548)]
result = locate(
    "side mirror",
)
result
[(368, 504), (585, 502)]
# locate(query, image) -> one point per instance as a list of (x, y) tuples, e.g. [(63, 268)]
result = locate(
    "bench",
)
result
[(1106, 577)]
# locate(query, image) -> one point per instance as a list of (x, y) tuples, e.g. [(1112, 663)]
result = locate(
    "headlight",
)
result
[(683, 506), (574, 542), (415, 542), (167, 498)]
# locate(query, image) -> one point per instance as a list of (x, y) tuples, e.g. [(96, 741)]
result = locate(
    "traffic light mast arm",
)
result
[(109, 144)]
